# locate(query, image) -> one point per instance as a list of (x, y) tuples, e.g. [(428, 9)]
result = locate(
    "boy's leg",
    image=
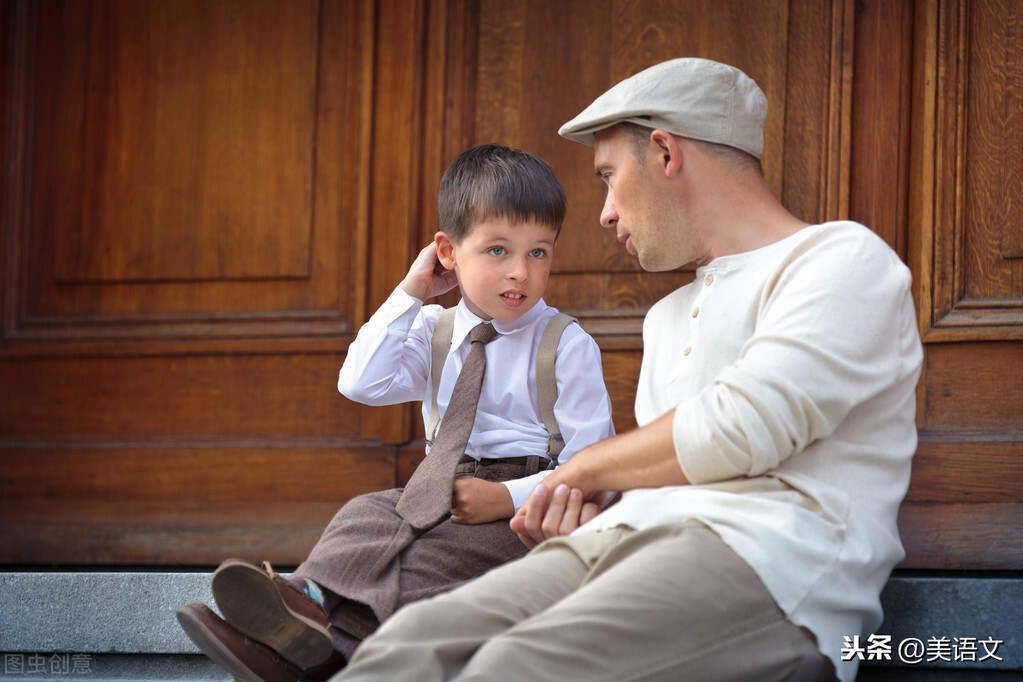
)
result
[(290, 615), (373, 562), (368, 562), (669, 603)]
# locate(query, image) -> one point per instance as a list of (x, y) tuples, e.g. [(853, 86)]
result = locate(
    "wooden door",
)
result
[(186, 239), (540, 63), (203, 200), (965, 505), (901, 115)]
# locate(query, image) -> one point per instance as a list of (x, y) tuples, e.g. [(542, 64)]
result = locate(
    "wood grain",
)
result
[(186, 503), (202, 203)]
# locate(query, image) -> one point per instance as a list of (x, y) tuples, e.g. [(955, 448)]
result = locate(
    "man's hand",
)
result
[(546, 515), (427, 278), (474, 501), (641, 458)]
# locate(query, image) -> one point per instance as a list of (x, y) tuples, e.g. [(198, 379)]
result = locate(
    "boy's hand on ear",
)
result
[(427, 278)]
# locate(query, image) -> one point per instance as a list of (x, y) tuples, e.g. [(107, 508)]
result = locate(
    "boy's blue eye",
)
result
[(537, 253), (497, 250)]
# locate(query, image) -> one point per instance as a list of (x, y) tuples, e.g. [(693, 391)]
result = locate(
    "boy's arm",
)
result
[(583, 406), (389, 360), (427, 278), (583, 411), (572, 494)]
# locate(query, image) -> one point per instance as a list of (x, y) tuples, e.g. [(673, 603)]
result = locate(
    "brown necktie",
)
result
[(427, 497)]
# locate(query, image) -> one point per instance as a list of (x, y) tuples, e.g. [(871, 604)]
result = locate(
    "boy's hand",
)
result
[(476, 501), (427, 278)]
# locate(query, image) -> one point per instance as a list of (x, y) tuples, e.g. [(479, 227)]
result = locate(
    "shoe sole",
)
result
[(208, 643), (249, 601)]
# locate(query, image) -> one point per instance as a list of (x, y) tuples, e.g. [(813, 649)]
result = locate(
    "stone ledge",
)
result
[(111, 668), (121, 626), (925, 608), (99, 626), (97, 612)]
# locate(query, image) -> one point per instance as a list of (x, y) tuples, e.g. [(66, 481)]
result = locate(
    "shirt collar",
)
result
[(465, 320)]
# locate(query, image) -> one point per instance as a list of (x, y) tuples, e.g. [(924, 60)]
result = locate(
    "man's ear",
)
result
[(445, 250), (669, 154)]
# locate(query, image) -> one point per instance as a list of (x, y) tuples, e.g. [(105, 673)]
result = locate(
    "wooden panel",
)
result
[(994, 153), (190, 503), (185, 241), (188, 396), (975, 290), (172, 157), (880, 119), (815, 135), (237, 80), (540, 63), (949, 535), (964, 506), (960, 469), (965, 503), (972, 387), (174, 315)]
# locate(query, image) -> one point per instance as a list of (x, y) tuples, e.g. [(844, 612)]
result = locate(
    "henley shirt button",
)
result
[(687, 350), (696, 311), (708, 280)]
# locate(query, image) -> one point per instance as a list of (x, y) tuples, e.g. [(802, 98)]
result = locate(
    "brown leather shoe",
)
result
[(264, 606), (246, 660)]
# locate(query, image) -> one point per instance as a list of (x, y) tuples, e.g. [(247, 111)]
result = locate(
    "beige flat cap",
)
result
[(695, 98)]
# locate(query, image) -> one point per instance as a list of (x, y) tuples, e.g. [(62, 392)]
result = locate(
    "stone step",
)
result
[(105, 625), (96, 626)]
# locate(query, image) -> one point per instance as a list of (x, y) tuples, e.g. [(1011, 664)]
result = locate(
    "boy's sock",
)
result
[(314, 591)]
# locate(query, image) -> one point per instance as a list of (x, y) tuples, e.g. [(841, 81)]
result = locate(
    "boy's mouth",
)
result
[(513, 299)]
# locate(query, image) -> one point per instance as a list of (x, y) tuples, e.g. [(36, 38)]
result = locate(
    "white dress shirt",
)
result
[(389, 363)]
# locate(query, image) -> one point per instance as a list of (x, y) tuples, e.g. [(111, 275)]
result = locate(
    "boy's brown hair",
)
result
[(494, 181)]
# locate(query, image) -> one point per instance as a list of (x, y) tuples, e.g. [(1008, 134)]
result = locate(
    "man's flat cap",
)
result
[(694, 98)]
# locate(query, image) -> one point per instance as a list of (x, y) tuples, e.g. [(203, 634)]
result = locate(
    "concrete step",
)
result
[(104, 625), (95, 626)]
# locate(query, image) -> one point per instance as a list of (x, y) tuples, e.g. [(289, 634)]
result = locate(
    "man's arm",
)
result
[(643, 458)]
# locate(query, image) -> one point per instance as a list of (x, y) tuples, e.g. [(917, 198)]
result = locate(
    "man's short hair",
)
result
[(639, 138), (493, 181)]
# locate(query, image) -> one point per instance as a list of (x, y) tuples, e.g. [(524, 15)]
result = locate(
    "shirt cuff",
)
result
[(520, 488), (397, 305)]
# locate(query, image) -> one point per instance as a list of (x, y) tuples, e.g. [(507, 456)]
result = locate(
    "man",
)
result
[(776, 405)]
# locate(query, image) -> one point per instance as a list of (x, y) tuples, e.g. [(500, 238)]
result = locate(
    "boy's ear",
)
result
[(445, 250)]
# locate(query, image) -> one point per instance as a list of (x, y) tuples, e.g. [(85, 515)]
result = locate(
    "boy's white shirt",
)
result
[(389, 363)]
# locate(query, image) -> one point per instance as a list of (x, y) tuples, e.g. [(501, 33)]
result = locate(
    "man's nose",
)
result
[(609, 214)]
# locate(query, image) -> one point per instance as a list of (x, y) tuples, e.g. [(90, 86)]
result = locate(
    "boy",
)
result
[(500, 214)]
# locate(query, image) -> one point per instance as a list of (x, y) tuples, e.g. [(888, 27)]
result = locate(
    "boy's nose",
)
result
[(518, 270)]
